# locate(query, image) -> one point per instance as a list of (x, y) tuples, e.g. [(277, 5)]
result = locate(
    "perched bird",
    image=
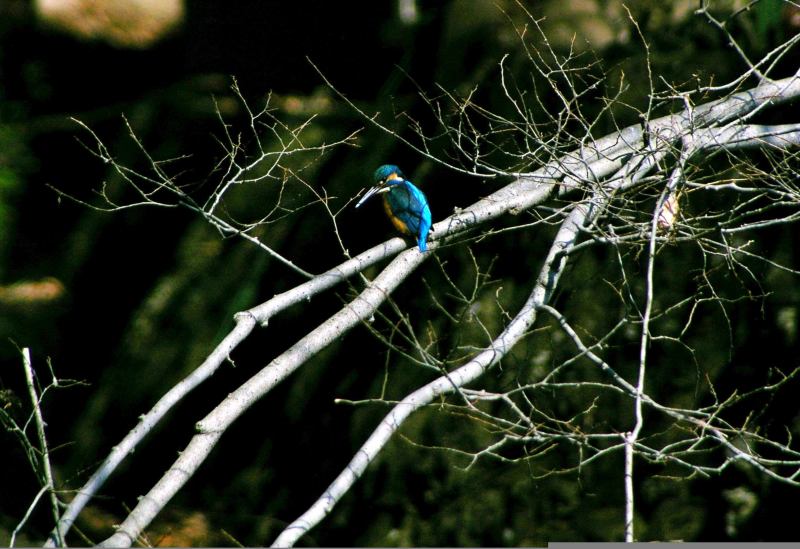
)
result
[(404, 203)]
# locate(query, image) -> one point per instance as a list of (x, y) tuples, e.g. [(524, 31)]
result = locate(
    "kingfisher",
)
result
[(404, 203)]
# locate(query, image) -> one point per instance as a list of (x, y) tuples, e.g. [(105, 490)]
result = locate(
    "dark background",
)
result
[(130, 302)]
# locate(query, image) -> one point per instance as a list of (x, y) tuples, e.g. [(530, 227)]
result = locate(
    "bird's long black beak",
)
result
[(377, 189)]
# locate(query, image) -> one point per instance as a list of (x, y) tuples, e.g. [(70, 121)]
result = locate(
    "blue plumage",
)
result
[(404, 203)]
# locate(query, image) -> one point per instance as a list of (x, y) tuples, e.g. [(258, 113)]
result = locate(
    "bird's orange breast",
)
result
[(396, 221)]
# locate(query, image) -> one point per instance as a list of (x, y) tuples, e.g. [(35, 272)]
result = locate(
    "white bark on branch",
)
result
[(618, 161), (667, 130), (581, 215), (211, 428), (48, 485)]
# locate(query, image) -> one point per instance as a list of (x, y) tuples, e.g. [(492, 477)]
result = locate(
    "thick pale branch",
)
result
[(244, 325), (581, 215), (486, 209), (592, 162), (748, 135), (210, 428), (663, 133)]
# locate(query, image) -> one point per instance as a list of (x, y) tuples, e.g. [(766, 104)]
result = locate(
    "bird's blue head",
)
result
[(384, 177), (386, 173)]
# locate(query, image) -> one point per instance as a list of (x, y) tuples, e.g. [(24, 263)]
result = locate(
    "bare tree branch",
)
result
[(600, 187)]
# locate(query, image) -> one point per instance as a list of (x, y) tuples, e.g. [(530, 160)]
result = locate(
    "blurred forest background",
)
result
[(130, 302)]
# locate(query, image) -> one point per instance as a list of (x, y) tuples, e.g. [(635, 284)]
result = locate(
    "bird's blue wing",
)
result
[(409, 204)]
